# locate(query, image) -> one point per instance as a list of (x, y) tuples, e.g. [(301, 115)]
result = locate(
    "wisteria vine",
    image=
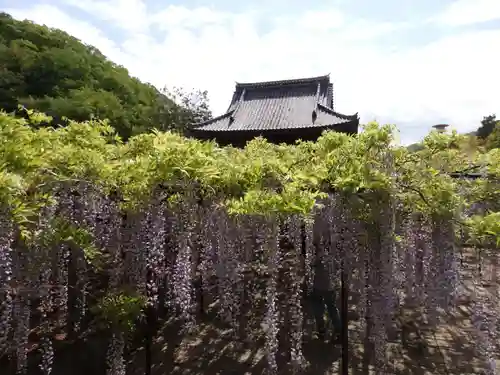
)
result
[(95, 233)]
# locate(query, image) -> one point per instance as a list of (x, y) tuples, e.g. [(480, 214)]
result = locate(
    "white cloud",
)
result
[(452, 79), (178, 16), (467, 12), (86, 32), (363, 29), (326, 20), (129, 15)]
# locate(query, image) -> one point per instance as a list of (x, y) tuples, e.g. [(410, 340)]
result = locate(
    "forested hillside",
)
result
[(48, 70)]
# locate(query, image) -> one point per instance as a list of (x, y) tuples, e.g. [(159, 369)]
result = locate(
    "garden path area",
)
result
[(414, 349)]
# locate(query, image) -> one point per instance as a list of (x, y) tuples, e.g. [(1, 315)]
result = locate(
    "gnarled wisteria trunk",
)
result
[(255, 271)]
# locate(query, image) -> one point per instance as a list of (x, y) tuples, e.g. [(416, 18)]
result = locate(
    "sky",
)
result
[(404, 62)]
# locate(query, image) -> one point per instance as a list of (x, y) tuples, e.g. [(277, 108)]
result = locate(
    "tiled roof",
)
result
[(279, 105)]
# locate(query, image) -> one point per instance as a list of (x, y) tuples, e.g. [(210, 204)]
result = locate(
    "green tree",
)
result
[(487, 125), (48, 70), (414, 147), (493, 140), (193, 107)]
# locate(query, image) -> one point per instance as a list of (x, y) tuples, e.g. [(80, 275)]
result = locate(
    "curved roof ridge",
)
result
[(335, 113), (283, 82)]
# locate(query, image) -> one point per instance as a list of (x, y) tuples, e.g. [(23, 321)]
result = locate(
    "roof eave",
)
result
[(279, 130), (212, 120), (337, 114)]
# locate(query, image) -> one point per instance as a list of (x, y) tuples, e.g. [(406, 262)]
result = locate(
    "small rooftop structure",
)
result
[(440, 127), (280, 111)]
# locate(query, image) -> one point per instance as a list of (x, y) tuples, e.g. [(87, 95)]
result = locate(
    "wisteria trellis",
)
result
[(392, 258)]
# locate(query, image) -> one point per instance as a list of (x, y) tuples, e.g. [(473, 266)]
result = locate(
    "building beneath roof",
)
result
[(280, 111)]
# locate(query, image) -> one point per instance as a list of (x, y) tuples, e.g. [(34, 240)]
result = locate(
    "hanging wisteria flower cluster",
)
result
[(160, 250)]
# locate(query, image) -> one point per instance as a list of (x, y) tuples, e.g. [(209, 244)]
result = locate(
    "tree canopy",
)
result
[(493, 138), (48, 70), (488, 124)]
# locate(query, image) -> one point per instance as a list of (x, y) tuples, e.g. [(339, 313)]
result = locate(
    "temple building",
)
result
[(280, 111)]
